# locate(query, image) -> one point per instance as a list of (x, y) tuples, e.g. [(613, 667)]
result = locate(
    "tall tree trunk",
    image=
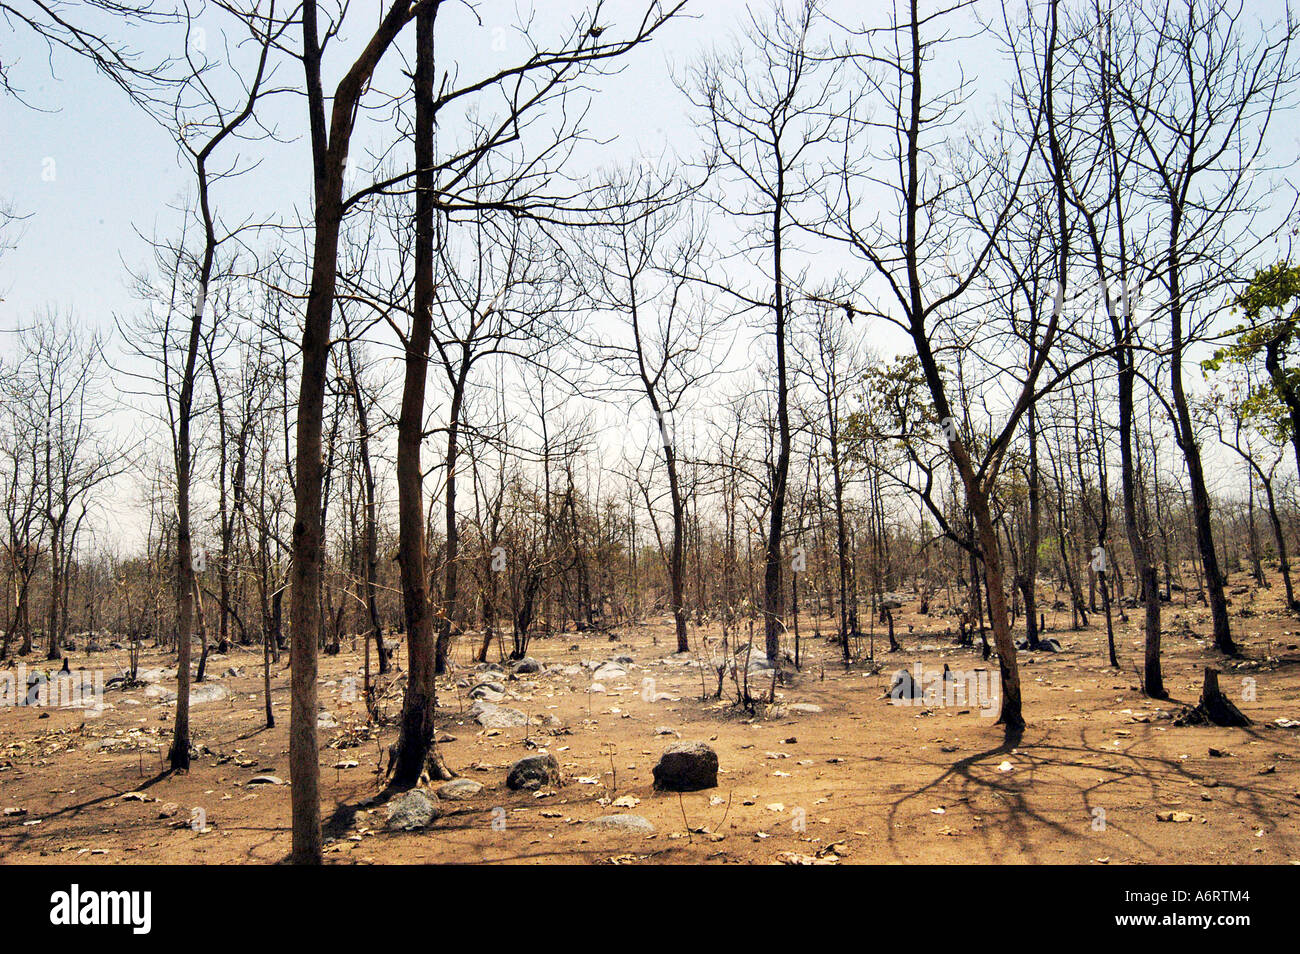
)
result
[(414, 752), (186, 584), (1279, 538), (453, 532), (1185, 434), (371, 544), (1010, 715), (841, 541), (773, 594), (1029, 585), (56, 590)]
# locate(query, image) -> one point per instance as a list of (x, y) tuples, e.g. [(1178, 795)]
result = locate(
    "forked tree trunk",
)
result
[(329, 140)]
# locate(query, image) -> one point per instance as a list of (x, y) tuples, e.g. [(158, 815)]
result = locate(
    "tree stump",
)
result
[(1214, 708)]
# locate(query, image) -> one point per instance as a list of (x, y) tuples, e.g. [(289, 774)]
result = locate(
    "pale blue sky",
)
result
[(116, 171)]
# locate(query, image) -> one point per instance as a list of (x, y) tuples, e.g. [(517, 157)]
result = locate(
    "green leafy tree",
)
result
[(1271, 304)]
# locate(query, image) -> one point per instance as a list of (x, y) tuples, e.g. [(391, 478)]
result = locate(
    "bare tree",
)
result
[(639, 270), (1200, 97), (925, 291), (767, 112)]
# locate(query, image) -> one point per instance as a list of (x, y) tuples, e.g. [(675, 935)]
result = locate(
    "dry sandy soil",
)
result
[(872, 781)]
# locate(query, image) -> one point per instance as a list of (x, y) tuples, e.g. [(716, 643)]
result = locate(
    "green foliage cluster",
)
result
[(1271, 304)]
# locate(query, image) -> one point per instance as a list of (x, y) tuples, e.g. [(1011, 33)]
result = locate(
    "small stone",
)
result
[(632, 824), (459, 789)]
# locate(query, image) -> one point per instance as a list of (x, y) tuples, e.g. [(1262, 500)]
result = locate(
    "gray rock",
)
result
[(487, 693), (411, 810), (459, 789), (533, 772), (161, 693), (266, 780), (1048, 645), (687, 767), (608, 673), (804, 707), (633, 824), (492, 716), (207, 692), (526, 665)]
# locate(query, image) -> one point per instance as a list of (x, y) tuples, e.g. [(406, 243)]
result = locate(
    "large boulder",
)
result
[(533, 772), (411, 810), (526, 665), (687, 767)]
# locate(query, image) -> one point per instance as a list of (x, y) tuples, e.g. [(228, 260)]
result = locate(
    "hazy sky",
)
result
[(95, 176)]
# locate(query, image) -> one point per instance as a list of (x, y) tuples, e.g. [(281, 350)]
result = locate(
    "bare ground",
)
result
[(872, 782)]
